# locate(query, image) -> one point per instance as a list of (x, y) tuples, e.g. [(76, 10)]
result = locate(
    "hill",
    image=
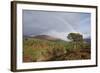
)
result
[(46, 37), (88, 40)]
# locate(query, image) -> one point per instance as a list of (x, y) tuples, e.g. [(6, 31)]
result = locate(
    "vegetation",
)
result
[(45, 50)]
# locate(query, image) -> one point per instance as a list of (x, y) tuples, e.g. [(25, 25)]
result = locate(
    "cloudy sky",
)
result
[(56, 24)]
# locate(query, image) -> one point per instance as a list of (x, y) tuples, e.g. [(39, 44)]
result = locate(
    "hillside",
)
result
[(46, 48), (46, 37), (88, 40)]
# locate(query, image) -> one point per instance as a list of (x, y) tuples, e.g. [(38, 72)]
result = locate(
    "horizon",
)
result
[(52, 37)]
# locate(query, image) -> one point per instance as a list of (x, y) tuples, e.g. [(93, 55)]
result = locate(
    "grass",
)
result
[(44, 50)]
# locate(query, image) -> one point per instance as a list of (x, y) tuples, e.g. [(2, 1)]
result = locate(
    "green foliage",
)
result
[(45, 50), (75, 37), (37, 48), (86, 45)]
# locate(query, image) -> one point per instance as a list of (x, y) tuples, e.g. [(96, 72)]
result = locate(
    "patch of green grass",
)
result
[(39, 49)]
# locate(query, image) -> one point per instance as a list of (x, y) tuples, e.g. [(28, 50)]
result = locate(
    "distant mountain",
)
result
[(88, 40), (46, 37)]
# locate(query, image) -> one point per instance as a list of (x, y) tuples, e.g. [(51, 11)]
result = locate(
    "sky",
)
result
[(56, 23)]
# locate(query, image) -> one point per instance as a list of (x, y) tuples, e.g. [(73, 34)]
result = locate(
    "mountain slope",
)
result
[(88, 40), (46, 37)]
